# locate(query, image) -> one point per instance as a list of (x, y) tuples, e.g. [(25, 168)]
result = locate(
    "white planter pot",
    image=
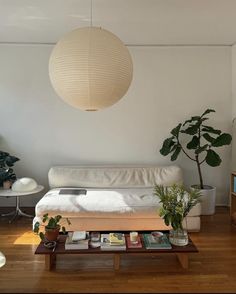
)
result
[(208, 199)]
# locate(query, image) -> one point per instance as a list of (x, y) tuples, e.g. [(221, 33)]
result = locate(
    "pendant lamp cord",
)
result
[(91, 13)]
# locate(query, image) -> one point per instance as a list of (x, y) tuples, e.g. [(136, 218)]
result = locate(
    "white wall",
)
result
[(234, 81), (233, 166), (170, 84)]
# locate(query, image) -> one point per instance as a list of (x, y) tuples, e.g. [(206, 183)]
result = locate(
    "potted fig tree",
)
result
[(200, 148)]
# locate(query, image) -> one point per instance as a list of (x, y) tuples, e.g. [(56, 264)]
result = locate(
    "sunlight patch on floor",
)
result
[(27, 238)]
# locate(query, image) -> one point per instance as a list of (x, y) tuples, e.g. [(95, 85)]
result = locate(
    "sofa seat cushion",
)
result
[(100, 203)]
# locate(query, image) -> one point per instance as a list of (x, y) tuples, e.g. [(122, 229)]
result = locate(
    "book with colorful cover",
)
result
[(134, 245), (116, 238), (106, 245), (160, 243)]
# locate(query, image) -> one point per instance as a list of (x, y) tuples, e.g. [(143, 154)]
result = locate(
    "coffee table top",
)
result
[(60, 248)]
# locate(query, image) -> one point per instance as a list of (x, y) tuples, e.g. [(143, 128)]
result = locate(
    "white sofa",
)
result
[(118, 198)]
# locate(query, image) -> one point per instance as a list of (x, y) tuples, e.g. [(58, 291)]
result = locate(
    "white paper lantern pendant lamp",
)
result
[(90, 68)]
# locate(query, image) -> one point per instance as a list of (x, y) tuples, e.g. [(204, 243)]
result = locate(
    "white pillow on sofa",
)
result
[(24, 185)]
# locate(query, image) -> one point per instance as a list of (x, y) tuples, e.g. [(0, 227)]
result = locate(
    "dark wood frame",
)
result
[(50, 256)]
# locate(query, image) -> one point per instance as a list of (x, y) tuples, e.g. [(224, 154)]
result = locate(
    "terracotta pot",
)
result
[(7, 185), (52, 234)]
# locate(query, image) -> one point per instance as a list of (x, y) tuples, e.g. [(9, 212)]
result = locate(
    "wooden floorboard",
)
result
[(213, 269)]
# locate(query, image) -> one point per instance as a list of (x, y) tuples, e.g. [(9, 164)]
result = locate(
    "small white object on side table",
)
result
[(18, 212)]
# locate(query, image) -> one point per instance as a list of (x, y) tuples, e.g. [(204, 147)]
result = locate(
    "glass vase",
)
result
[(178, 237)]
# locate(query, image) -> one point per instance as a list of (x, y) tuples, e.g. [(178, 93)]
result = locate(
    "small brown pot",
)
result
[(7, 185), (52, 234)]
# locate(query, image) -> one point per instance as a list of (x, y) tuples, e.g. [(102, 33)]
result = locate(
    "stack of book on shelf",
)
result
[(137, 244), (156, 243), (77, 240), (113, 241)]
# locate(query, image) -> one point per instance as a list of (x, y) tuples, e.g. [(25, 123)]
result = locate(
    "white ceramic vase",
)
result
[(208, 199)]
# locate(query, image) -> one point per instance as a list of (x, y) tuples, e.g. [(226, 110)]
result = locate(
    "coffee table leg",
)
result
[(116, 261), (183, 259), (50, 260)]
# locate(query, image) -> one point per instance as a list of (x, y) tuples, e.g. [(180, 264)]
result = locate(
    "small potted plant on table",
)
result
[(7, 175), (176, 204), (200, 149), (52, 228)]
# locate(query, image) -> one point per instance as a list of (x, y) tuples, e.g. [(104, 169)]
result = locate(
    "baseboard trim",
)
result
[(222, 205)]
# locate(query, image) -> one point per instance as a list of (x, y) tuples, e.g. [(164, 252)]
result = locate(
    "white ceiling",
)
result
[(137, 22)]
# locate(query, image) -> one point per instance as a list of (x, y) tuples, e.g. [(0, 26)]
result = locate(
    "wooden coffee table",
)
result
[(50, 256)]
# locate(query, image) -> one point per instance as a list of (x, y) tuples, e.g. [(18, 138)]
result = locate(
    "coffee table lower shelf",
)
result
[(50, 256)]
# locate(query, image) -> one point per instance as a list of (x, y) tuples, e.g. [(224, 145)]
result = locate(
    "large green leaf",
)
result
[(3, 154), (36, 227), (51, 223), (208, 137), (172, 149), (201, 149), (203, 119), (57, 218), (41, 235), (45, 217), (176, 153), (166, 147), (207, 111), (223, 139), (212, 158), (211, 130), (10, 160), (193, 144), (175, 131), (191, 130), (192, 119)]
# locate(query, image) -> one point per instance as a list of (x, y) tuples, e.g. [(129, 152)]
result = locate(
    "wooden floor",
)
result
[(213, 269)]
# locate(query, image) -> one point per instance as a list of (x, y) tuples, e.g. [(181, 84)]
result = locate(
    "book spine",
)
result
[(146, 243)]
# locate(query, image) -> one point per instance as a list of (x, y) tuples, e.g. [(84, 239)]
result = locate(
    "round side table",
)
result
[(18, 212)]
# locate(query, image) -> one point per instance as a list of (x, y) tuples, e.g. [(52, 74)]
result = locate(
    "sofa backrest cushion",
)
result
[(113, 177)]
